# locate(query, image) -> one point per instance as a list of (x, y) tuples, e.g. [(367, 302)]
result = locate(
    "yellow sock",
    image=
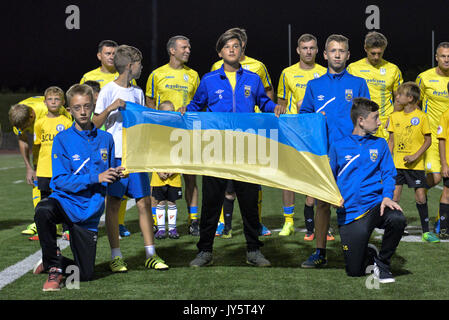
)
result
[(36, 196), (221, 216)]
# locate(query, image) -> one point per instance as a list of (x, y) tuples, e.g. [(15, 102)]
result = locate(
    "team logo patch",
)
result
[(383, 71), (60, 127), (439, 130), (414, 121), (373, 154), (104, 154), (348, 94), (76, 157), (316, 75), (246, 67), (320, 97), (219, 92), (247, 91), (186, 77)]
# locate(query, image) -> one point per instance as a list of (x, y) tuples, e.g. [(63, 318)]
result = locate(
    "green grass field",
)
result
[(420, 268)]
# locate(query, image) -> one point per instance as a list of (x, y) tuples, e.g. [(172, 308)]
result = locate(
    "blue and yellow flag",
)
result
[(288, 153)]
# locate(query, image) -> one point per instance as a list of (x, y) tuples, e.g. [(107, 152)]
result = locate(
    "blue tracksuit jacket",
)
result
[(216, 93), (365, 174), (332, 94), (77, 159)]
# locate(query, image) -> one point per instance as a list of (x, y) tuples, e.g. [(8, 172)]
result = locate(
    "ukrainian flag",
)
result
[(289, 152)]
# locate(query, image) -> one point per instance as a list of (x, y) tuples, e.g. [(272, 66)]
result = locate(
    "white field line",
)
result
[(14, 272)]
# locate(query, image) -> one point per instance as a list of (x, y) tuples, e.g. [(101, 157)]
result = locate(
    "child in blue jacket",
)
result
[(365, 174)]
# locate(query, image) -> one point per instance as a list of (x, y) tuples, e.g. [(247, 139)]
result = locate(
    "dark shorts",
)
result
[(446, 182), (43, 184), (412, 178), (167, 192)]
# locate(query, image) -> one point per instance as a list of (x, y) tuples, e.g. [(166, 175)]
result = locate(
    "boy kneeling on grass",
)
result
[(83, 163), (365, 174)]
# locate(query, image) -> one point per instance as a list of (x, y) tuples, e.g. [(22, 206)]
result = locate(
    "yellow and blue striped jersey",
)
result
[(382, 80), (293, 82), (176, 85), (101, 77), (252, 65)]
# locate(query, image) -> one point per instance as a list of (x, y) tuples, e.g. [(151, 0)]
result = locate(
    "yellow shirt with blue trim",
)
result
[(40, 110), (45, 129), (408, 131), (443, 131), (174, 180), (382, 80), (175, 85), (293, 83), (252, 65)]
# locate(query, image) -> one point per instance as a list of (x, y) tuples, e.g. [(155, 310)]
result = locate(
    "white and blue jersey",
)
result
[(216, 94), (365, 174), (78, 157), (331, 95)]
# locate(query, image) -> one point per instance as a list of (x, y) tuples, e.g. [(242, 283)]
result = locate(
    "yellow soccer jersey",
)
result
[(382, 80), (293, 82), (443, 131), (252, 65), (40, 109), (174, 180), (101, 77), (176, 85), (45, 129), (408, 131)]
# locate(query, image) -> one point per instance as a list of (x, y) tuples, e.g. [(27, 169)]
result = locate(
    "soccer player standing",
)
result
[(291, 89), (382, 77), (435, 101), (177, 83), (332, 95)]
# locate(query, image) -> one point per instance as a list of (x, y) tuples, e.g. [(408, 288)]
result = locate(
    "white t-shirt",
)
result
[(108, 94)]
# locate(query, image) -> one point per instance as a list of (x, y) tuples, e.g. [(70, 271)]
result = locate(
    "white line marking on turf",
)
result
[(14, 272), (7, 168), (18, 181)]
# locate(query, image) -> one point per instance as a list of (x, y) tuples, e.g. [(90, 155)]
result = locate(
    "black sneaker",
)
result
[(382, 273), (202, 259), (371, 254), (194, 228), (256, 258)]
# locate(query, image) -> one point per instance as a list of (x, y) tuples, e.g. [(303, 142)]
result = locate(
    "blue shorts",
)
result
[(136, 185)]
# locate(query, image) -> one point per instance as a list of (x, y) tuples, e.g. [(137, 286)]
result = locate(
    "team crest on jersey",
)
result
[(246, 67), (373, 154), (383, 71), (316, 75), (60, 127), (348, 94), (247, 91), (186, 78), (104, 154), (414, 121)]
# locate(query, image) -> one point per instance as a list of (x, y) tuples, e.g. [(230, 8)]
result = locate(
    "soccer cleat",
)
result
[(31, 230), (309, 236), (194, 228), (38, 267), (314, 261), (161, 234), (123, 231), (173, 234), (54, 280), (287, 230), (264, 231), (118, 265), (220, 228), (430, 237), (443, 234), (330, 236), (202, 259), (156, 263), (227, 233), (256, 258), (34, 238), (383, 274)]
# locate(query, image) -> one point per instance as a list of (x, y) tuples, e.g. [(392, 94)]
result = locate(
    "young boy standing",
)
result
[(364, 171), (409, 139), (166, 189), (82, 163), (128, 62)]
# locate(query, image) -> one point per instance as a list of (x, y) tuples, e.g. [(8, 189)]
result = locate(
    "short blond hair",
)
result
[(19, 115), (410, 89), (306, 37), (54, 90), (375, 39), (125, 55), (80, 89), (337, 38)]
